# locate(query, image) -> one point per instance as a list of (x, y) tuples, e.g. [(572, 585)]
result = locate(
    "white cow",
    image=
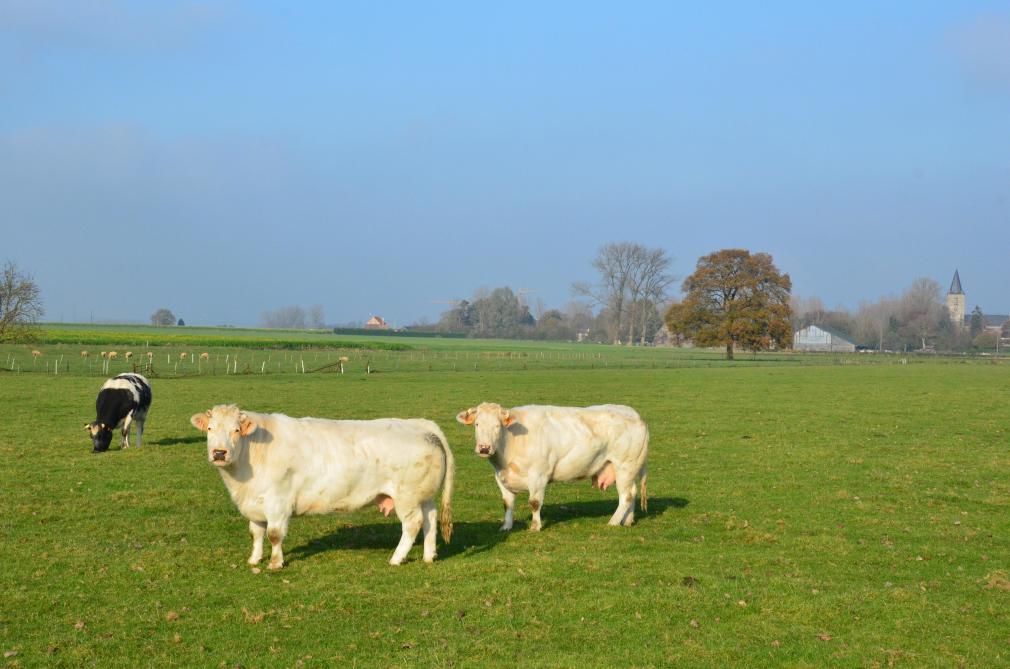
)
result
[(275, 467), (530, 446)]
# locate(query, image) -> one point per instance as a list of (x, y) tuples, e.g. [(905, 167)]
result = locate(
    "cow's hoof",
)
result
[(253, 561), (429, 560), (274, 566), (395, 562), (534, 528), (504, 528)]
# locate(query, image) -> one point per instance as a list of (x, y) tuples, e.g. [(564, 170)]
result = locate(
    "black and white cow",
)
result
[(122, 401)]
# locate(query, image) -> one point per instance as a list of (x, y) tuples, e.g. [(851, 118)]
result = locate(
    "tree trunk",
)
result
[(729, 351)]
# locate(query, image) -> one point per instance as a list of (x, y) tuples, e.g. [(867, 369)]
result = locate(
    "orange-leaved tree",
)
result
[(734, 299)]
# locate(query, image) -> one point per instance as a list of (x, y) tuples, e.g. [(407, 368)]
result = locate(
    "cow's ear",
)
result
[(201, 421), (467, 417), (246, 426), (507, 418), (87, 427)]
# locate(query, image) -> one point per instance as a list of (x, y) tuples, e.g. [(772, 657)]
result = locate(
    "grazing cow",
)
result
[(205, 356), (150, 355), (129, 354), (122, 401), (182, 356), (530, 446), (113, 355), (275, 466), (84, 354), (104, 354), (36, 354)]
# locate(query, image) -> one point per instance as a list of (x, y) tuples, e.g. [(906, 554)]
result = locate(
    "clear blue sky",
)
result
[(223, 158)]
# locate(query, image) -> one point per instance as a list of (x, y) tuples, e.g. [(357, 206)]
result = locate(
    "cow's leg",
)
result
[(430, 526), (257, 529), (277, 529), (140, 431), (627, 491), (411, 519), (127, 422), (509, 501), (538, 487)]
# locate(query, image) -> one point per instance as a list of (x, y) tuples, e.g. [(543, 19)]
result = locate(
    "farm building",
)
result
[(376, 323), (816, 338)]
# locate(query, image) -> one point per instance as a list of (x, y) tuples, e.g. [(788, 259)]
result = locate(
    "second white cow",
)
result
[(275, 467), (530, 446)]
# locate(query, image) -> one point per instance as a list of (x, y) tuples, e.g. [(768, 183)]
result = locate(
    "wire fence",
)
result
[(62, 360)]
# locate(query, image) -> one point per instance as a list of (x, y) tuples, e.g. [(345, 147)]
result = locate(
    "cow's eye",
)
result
[(235, 430)]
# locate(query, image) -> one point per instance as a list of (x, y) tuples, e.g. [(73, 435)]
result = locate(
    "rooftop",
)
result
[(955, 285)]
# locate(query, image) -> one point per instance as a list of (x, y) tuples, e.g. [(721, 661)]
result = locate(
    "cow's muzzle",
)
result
[(219, 455), (484, 451)]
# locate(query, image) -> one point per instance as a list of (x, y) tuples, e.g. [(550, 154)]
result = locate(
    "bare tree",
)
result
[(580, 315), (292, 317), (613, 263), (627, 273), (316, 318), (874, 320), (806, 310), (20, 303), (923, 313), (481, 306), (652, 282)]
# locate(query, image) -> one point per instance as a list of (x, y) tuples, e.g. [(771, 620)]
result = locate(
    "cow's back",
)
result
[(598, 421), (341, 465), (576, 441)]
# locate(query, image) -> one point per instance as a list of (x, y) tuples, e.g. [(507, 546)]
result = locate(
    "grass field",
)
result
[(800, 515), (161, 352)]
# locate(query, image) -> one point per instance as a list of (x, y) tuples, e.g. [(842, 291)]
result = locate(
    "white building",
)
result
[(816, 338)]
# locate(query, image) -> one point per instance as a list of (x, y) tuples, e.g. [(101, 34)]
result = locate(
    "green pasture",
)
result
[(800, 515), (171, 352)]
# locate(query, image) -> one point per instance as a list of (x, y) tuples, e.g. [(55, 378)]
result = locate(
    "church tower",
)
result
[(955, 301)]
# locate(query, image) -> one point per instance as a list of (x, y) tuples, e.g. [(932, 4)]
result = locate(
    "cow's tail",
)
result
[(643, 501), (643, 474), (445, 512)]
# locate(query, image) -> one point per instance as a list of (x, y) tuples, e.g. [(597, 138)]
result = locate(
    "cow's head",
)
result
[(226, 427), (489, 421), (101, 435)]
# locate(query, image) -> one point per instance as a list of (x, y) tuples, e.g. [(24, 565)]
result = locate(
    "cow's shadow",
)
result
[(470, 538), (467, 538), (568, 511)]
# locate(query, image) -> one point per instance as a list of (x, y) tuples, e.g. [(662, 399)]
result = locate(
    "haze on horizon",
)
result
[(222, 159)]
